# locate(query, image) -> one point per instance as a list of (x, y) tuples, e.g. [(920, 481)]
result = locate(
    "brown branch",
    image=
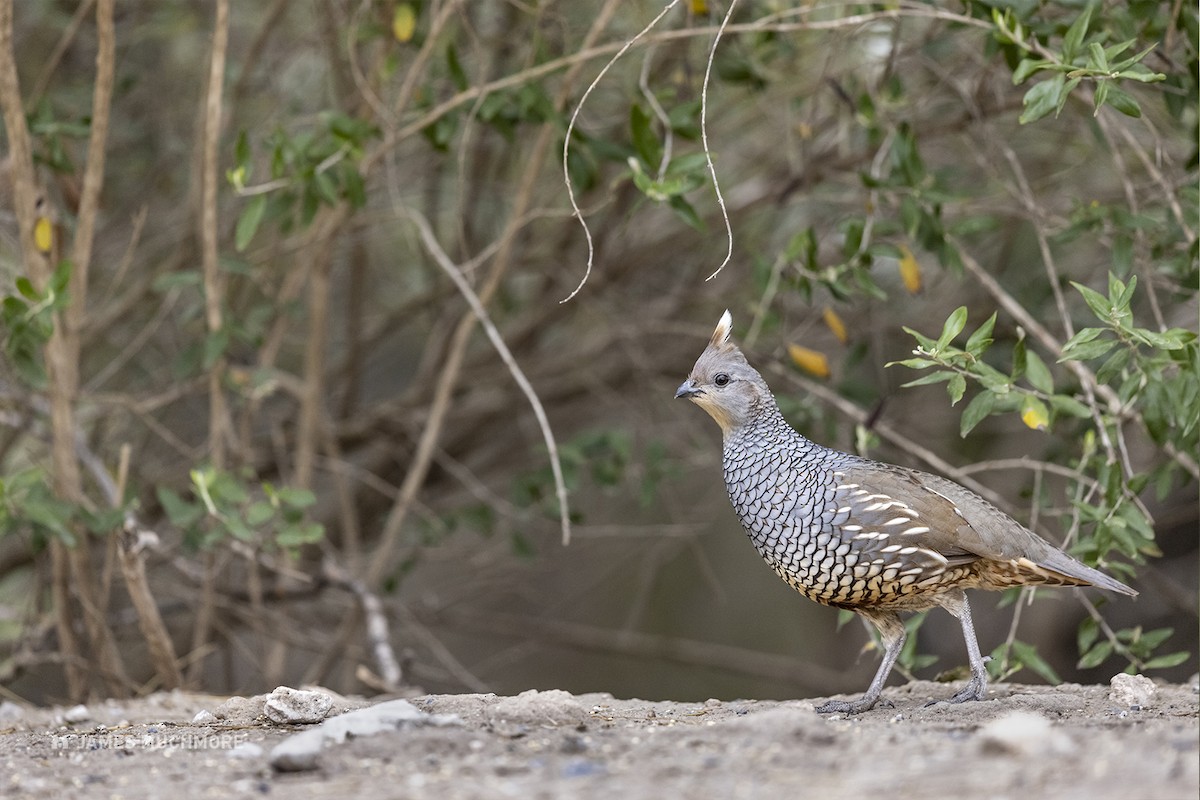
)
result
[(214, 284), (219, 424), (133, 569), (311, 400), (37, 266)]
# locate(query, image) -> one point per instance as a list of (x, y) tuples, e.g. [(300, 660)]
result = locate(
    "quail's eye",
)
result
[(721, 379)]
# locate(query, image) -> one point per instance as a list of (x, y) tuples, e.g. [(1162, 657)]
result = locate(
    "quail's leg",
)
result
[(956, 603), (891, 630)]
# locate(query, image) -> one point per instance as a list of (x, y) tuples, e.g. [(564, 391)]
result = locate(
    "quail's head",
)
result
[(724, 384)]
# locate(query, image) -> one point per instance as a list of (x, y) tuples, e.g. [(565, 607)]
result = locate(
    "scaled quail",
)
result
[(854, 533)]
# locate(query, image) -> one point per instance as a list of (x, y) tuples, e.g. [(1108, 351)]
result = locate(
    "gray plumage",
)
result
[(859, 534)]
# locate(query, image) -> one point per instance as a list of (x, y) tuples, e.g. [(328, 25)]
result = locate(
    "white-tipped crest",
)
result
[(724, 328)]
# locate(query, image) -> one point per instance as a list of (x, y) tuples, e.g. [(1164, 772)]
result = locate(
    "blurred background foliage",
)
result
[(253, 435)]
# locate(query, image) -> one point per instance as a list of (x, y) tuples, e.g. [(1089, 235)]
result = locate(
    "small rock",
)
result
[(203, 717), (287, 706), (554, 707), (77, 714), (1132, 690), (240, 710), (10, 711), (247, 750), (1023, 733)]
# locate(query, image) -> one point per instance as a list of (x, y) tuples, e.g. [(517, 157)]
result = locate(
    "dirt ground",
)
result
[(1023, 742)]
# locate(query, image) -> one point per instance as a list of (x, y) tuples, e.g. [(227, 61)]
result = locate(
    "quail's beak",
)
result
[(688, 389)]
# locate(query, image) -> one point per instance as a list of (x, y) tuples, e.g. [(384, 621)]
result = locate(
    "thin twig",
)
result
[(455, 275), (219, 431), (60, 48)]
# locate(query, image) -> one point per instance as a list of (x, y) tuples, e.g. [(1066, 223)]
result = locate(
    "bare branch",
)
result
[(455, 274)]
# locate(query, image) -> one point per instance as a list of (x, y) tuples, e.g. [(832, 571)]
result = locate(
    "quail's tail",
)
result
[(1080, 574)]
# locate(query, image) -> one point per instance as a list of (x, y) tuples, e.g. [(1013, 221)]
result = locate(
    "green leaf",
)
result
[(181, 513), (1064, 93), (296, 498), (1096, 656), (249, 221), (956, 388), (258, 513), (1089, 631), (1028, 656), (1165, 662), (1087, 350), (1074, 36), (239, 529), (1018, 357), (457, 73), (934, 377), (1069, 406), (952, 327), (1099, 304), (300, 534), (25, 287), (982, 337), (976, 411), (645, 141), (1123, 102), (1042, 98), (1038, 373), (1027, 67), (686, 212)]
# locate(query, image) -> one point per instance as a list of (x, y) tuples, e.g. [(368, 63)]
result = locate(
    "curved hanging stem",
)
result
[(576, 212), (712, 170)]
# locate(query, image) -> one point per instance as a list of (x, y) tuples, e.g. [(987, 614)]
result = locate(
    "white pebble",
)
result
[(1132, 690), (76, 714), (287, 706)]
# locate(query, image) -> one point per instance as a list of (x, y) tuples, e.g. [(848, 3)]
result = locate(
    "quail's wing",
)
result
[(888, 510)]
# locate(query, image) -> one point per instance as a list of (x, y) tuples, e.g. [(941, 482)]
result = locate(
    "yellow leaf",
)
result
[(910, 270), (1034, 414), (811, 361), (43, 234), (835, 324), (700, 8), (404, 22)]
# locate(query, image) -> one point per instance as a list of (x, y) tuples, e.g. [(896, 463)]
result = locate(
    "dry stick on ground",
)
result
[(377, 624), (218, 415)]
